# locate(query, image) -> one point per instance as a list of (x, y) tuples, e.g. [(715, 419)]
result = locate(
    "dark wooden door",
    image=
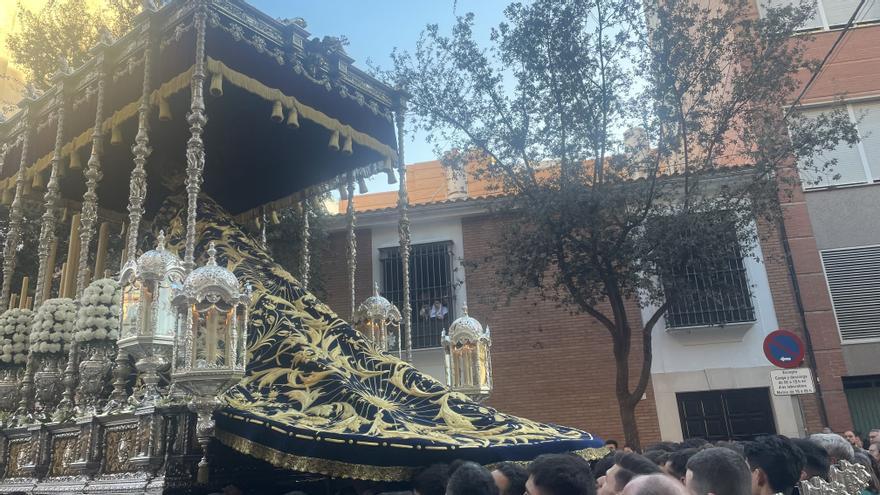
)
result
[(740, 414)]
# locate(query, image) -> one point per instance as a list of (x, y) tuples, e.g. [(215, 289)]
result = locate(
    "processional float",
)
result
[(194, 357)]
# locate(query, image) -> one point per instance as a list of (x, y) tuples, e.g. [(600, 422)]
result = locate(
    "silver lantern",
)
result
[(379, 321), (468, 360), (209, 352), (148, 316)]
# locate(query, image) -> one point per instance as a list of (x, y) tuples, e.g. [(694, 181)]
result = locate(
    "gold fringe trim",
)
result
[(173, 86), (339, 469), (254, 86), (327, 467)]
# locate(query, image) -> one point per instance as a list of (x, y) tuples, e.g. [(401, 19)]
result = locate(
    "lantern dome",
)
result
[(466, 328), (377, 306), (211, 278), (378, 319), (155, 264)]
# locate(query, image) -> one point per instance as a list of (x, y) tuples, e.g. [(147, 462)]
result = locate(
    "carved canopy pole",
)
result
[(305, 261), (351, 253), (50, 215), (137, 186), (403, 231), (89, 215), (13, 235), (195, 148)]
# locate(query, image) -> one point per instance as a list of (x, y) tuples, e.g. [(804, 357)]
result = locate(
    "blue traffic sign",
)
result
[(784, 349)]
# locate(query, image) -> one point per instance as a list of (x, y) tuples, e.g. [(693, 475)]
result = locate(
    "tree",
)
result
[(64, 30), (601, 218)]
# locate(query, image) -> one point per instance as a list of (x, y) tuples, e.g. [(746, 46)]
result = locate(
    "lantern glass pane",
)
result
[(165, 311), (131, 297), (212, 327)]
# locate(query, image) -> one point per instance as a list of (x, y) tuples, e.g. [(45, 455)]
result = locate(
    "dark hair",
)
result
[(602, 466), (658, 457), (630, 447), (780, 460), (611, 442), (516, 477), (664, 446), (562, 474), (432, 480), (720, 471), (816, 461), (471, 479), (678, 462), (694, 443), (632, 465), (732, 445)]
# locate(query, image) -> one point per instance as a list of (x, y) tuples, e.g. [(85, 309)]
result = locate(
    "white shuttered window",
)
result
[(853, 276), (829, 14), (857, 164)]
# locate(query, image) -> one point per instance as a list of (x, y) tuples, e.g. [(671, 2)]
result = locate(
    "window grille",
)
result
[(432, 289), (711, 293), (853, 276)]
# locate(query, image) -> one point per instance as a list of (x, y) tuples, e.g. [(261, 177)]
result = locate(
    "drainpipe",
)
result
[(814, 367)]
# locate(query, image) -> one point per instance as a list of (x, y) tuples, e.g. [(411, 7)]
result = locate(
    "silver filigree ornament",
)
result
[(148, 318), (209, 346)]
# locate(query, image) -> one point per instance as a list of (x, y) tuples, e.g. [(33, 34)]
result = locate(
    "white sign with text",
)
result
[(797, 381)]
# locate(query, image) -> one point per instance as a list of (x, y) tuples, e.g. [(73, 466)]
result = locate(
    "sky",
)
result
[(375, 27)]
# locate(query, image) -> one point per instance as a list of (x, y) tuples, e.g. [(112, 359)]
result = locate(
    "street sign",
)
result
[(796, 381), (784, 349)]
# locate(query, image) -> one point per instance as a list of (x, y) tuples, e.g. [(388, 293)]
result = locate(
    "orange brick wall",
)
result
[(548, 365)]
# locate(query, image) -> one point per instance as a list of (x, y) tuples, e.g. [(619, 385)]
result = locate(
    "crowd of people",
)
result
[(765, 466)]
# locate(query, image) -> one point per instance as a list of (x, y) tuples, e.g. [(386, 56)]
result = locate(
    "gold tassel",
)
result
[(343, 194), (334, 141), (362, 186), (27, 189), (39, 182), (275, 219), (293, 118), (346, 146), (115, 135), (277, 112), (217, 85), (8, 196), (75, 162), (392, 179), (164, 109)]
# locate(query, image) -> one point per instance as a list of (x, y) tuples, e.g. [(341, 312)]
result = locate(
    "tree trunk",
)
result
[(628, 419)]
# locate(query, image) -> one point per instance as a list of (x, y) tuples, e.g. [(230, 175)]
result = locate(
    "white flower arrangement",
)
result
[(100, 310), (53, 326), (14, 327)]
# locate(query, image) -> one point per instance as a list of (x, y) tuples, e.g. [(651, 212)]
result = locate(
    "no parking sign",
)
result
[(784, 349)]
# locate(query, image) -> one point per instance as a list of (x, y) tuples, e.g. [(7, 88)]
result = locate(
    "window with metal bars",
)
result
[(432, 288), (713, 292)]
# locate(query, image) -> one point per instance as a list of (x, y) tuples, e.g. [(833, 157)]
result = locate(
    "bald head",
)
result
[(654, 484)]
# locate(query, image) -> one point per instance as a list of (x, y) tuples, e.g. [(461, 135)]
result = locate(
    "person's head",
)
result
[(560, 474), (655, 455), (676, 465), (837, 447), (694, 443), (776, 464), (664, 446), (654, 484), (626, 467), (853, 437), (471, 479), (874, 435), (510, 478), (431, 480), (874, 450), (815, 459), (718, 471), (611, 444), (734, 446), (602, 466), (628, 448)]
